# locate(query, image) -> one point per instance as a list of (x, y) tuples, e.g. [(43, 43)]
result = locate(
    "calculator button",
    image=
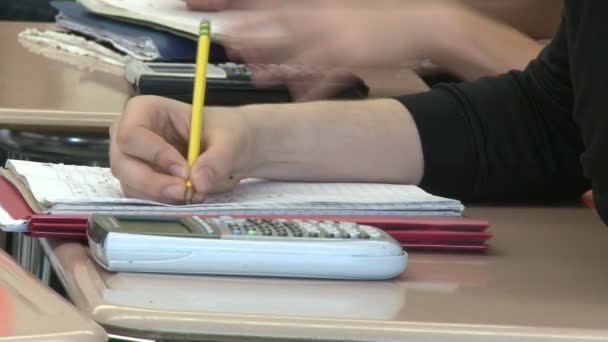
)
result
[(210, 229), (326, 225), (373, 232), (252, 232), (236, 232)]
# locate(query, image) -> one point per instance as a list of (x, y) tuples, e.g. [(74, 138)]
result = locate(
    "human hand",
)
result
[(150, 139), (339, 33), (335, 37)]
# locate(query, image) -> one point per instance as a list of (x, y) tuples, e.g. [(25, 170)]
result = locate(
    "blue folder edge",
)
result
[(158, 46)]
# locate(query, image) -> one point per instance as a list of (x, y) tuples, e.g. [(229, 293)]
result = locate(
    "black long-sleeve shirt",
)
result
[(533, 135)]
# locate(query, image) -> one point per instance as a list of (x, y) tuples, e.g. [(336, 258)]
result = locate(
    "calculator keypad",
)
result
[(282, 228)]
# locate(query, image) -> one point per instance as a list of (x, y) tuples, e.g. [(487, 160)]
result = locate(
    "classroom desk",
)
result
[(31, 312), (47, 93), (544, 279)]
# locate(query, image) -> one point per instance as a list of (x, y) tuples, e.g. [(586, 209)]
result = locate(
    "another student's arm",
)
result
[(538, 19), (478, 45)]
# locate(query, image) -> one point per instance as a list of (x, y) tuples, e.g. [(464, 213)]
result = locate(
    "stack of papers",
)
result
[(115, 32), (142, 43), (67, 189)]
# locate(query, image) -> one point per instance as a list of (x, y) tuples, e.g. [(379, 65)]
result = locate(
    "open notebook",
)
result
[(68, 189)]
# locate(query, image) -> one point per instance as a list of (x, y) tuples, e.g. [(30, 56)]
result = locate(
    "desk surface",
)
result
[(62, 91), (37, 90), (545, 277), (30, 312)]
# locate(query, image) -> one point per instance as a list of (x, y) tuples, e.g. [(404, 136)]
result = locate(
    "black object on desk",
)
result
[(229, 84), (55, 147)]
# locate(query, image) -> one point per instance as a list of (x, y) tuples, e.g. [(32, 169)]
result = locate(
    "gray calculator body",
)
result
[(249, 247)]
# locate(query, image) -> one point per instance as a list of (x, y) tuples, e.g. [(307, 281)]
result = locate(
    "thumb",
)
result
[(212, 172)]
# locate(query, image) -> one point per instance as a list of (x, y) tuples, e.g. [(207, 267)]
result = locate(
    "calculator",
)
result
[(244, 246), (228, 84)]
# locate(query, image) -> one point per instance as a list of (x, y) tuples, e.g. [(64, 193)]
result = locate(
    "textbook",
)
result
[(69, 189)]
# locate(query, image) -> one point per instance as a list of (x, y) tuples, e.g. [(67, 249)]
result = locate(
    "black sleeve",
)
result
[(506, 138), (588, 37)]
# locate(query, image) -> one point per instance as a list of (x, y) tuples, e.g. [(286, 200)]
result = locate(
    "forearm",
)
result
[(474, 45), (538, 19), (359, 141)]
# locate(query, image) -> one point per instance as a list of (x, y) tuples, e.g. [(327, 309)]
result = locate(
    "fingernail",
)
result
[(174, 192), (178, 171)]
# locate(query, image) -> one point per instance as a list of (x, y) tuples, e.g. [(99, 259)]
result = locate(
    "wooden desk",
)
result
[(30, 312), (544, 279), (42, 92)]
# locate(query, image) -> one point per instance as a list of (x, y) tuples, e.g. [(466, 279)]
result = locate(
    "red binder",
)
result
[(414, 233)]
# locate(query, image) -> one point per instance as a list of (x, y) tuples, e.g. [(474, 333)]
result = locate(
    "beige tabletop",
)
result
[(544, 279), (31, 312), (61, 91), (45, 88)]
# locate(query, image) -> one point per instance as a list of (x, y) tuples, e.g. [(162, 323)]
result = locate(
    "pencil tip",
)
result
[(189, 194)]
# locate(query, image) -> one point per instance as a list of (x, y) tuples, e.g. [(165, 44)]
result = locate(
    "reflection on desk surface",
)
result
[(360, 300), (373, 300)]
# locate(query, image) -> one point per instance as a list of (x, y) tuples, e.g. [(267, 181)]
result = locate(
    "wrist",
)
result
[(261, 141)]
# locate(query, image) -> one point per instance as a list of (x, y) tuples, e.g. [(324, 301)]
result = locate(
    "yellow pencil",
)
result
[(198, 100)]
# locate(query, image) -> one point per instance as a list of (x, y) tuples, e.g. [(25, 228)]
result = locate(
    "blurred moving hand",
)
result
[(455, 35)]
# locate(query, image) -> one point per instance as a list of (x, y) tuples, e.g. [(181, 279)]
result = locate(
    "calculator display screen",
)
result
[(154, 227), (167, 69)]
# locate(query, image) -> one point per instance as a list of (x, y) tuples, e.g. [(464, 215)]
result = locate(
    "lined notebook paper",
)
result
[(63, 189)]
